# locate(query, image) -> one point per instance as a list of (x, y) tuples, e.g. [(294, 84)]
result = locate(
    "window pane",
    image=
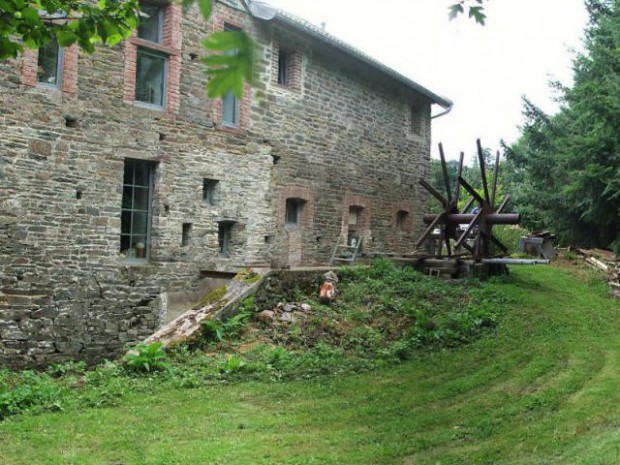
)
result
[(127, 197), (229, 109), (141, 198), (139, 223), (125, 244), (135, 212), (128, 173), (150, 23), (48, 70), (282, 64), (150, 78), (125, 222), (142, 174)]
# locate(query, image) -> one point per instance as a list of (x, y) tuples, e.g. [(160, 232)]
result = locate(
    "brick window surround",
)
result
[(69, 69), (170, 46), (291, 60), (223, 22), (305, 201), (402, 217)]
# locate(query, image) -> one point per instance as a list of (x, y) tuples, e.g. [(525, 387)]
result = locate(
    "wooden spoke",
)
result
[(457, 189), (496, 241), (468, 205), (503, 204), (429, 230), (447, 241), (471, 191), (483, 172), (494, 185), (444, 168), (434, 193), (470, 226)]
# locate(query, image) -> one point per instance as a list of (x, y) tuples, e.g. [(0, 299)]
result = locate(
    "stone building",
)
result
[(123, 187)]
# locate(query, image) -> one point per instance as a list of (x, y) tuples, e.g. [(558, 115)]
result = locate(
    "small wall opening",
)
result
[(186, 235), (224, 236), (72, 122), (210, 189), (401, 219), (294, 210), (354, 227)]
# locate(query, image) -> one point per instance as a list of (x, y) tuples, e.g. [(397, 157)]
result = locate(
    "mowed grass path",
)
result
[(543, 389)]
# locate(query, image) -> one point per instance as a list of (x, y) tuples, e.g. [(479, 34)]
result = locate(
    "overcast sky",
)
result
[(484, 70)]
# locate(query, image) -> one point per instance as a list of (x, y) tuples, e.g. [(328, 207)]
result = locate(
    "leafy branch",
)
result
[(474, 8)]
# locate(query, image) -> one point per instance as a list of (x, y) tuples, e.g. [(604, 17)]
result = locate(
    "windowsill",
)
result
[(134, 261), (43, 85), (148, 106), (230, 129)]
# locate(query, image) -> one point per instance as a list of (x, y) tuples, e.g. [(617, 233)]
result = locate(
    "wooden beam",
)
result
[(433, 192), (483, 171), (444, 169)]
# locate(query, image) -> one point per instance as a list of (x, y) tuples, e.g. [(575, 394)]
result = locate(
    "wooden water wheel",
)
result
[(477, 238)]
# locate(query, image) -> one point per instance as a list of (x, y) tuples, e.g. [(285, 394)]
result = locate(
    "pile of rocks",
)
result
[(285, 312)]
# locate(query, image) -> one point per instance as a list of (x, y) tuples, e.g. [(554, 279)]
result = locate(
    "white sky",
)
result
[(484, 70)]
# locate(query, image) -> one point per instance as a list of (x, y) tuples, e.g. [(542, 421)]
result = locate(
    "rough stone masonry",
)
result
[(108, 205)]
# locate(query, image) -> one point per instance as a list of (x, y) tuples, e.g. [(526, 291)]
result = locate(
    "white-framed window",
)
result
[(49, 66), (136, 209)]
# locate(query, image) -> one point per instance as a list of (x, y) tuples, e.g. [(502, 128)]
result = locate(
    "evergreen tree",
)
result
[(566, 167)]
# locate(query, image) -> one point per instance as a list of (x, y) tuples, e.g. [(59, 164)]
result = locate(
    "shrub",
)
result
[(146, 358)]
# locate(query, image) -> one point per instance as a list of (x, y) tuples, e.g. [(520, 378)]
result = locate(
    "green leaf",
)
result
[(477, 13), (205, 8), (455, 10), (66, 38), (31, 16)]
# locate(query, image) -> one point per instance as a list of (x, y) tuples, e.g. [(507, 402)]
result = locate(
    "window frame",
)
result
[(151, 167), (231, 97), (166, 57), (59, 67), (160, 24)]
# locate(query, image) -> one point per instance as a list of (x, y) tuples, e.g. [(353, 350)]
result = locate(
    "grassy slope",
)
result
[(543, 390)]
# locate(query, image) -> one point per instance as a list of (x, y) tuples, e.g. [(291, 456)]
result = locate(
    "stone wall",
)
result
[(340, 134)]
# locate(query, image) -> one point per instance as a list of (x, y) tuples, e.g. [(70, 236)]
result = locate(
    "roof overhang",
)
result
[(265, 12)]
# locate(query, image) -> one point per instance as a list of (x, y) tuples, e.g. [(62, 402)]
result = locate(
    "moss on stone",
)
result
[(248, 276), (213, 296)]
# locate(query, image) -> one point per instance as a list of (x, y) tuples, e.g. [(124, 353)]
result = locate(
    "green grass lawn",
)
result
[(543, 388)]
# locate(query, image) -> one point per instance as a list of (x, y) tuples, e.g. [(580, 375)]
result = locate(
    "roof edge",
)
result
[(265, 12)]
